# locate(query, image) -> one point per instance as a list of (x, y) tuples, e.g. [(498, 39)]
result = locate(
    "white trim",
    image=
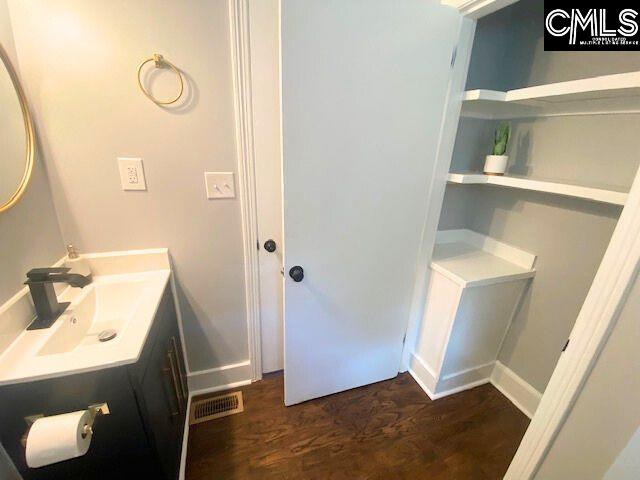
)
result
[(597, 317), (241, 63), (519, 392), (464, 379), (463, 373), (462, 388), (422, 384), (185, 441), (446, 393), (423, 375), (220, 388), (478, 8), (220, 369), (435, 193), (219, 378), (512, 386), (455, 382)]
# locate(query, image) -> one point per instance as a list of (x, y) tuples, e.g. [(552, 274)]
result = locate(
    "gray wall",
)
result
[(606, 416), (29, 232), (509, 53), (568, 235), (79, 60)]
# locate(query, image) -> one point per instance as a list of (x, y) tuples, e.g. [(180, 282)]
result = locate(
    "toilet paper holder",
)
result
[(95, 410)]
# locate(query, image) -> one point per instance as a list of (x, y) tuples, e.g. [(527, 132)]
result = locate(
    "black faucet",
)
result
[(40, 281)]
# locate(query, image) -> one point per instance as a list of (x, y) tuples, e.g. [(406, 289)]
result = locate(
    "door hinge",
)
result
[(404, 338), (454, 54), (258, 244), (566, 344)]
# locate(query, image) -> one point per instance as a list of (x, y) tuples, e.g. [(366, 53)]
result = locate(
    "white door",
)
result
[(363, 91), (265, 81)]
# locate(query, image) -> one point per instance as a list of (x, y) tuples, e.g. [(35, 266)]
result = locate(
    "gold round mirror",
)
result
[(17, 139)]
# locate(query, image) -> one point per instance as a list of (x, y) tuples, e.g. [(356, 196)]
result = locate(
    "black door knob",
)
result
[(270, 246), (297, 273)]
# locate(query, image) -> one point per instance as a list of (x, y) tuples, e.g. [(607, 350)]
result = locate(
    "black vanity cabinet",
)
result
[(140, 438)]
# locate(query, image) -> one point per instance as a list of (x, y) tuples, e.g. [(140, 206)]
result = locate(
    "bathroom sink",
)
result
[(121, 307), (106, 305)]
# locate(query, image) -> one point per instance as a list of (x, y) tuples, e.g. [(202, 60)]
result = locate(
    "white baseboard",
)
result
[(521, 394), (464, 379), (220, 378), (518, 391), (423, 375), (449, 384)]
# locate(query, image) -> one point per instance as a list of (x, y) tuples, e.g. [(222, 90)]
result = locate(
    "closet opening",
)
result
[(516, 252)]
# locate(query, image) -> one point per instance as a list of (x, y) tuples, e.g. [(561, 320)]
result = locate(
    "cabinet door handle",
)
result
[(183, 383), (174, 376), (170, 371)]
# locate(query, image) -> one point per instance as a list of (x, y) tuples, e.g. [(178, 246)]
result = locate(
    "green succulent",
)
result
[(501, 138)]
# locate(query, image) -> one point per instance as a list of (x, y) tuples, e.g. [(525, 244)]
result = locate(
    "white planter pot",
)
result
[(496, 164)]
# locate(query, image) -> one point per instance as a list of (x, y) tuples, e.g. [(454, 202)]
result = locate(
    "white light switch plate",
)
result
[(220, 184), (131, 173)]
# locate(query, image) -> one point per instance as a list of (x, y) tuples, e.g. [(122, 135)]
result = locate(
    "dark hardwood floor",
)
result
[(388, 430)]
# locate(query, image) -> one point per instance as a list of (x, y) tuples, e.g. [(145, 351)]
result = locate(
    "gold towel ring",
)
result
[(160, 62)]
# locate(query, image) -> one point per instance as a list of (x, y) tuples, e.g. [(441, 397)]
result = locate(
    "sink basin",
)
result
[(124, 303), (104, 306)]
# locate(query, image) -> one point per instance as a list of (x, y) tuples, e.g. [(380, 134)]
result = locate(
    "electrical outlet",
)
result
[(131, 173), (220, 184)]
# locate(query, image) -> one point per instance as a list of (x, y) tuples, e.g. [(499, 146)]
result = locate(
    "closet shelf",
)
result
[(470, 259), (568, 190), (608, 94)]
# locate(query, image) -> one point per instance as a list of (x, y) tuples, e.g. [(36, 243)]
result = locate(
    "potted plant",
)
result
[(496, 164)]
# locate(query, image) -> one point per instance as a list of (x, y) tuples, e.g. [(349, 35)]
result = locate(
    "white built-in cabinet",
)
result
[(475, 285)]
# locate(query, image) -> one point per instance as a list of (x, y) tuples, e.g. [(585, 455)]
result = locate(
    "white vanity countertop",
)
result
[(126, 302)]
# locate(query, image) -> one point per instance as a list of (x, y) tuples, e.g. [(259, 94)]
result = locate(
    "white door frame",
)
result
[(264, 17), (597, 317), (241, 66)]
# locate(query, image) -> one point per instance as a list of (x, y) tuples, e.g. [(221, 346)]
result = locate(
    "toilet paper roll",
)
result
[(57, 438)]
